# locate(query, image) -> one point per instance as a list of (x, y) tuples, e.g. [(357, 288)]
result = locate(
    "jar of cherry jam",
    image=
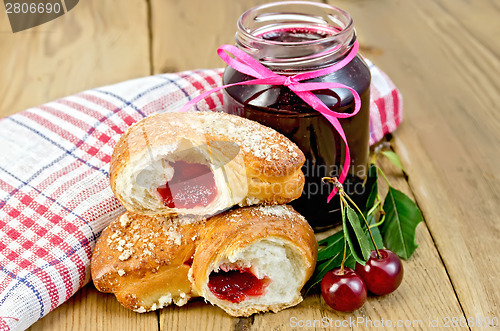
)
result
[(294, 37)]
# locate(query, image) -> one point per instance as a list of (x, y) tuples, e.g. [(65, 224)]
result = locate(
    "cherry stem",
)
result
[(342, 195), (379, 223), (383, 175), (342, 207), (343, 203), (375, 206)]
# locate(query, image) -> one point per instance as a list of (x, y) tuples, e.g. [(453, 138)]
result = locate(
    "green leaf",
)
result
[(356, 238), (323, 268), (375, 232), (394, 158), (331, 246), (401, 219), (371, 184), (329, 262), (350, 261)]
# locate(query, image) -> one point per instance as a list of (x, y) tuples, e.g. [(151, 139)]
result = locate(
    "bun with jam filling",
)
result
[(254, 259), (245, 261), (200, 163)]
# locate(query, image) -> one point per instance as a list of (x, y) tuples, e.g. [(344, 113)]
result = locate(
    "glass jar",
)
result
[(294, 37)]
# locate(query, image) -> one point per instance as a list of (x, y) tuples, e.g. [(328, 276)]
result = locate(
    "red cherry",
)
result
[(381, 275), (343, 292)]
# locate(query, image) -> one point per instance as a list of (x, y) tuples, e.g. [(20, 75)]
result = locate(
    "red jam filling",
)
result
[(193, 185), (236, 285)]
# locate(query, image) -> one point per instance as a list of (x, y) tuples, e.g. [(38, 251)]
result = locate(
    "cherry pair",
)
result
[(345, 289)]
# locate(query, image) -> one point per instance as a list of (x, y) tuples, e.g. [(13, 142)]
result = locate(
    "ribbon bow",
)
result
[(246, 64)]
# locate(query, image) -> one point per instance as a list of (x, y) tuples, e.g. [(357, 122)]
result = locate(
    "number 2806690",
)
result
[(32, 8)]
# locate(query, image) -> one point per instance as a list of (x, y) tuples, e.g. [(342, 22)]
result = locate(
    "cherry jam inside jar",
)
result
[(294, 37)]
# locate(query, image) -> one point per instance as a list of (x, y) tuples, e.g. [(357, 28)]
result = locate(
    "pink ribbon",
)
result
[(246, 64)]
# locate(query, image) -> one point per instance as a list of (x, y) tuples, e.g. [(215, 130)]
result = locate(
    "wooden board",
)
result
[(96, 43), (186, 34), (444, 57), (90, 309)]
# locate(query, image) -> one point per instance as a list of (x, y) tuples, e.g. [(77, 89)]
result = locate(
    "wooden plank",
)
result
[(449, 140), (94, 44), (91, 310), (186, 34), (477, 20), (197, 315)]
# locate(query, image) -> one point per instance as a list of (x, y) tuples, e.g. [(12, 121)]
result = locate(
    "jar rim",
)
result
[(331, 30), (256, 38)]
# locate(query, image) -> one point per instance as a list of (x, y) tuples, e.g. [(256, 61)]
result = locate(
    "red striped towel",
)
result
[(55, 197)]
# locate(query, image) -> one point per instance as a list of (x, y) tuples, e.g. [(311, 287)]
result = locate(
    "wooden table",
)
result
[(442, 54)]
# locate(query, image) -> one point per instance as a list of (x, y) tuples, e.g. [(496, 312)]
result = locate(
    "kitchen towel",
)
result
[(55, 197)]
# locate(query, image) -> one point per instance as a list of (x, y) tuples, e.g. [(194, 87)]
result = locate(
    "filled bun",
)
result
[(201, 163)]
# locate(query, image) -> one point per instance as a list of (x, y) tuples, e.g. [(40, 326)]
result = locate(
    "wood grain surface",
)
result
[(442, 54), (97, 43)]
